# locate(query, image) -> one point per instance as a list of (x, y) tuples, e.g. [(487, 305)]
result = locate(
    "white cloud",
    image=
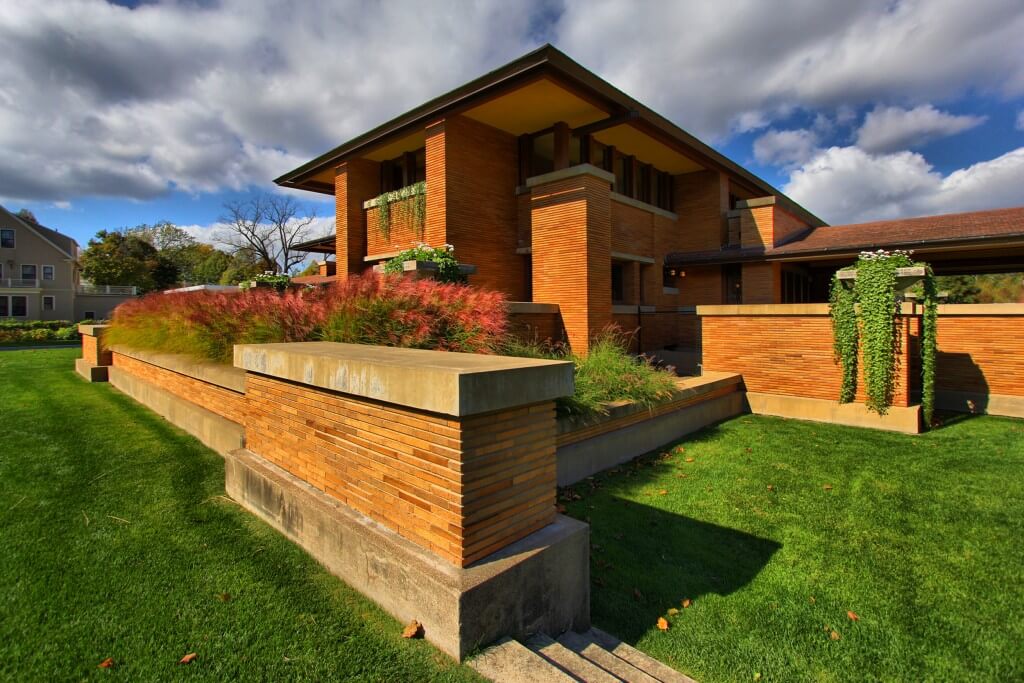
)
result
[(320, 227), (849, 185), (887, 129), (786, 147)]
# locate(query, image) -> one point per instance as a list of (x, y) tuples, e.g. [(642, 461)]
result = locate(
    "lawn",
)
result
[(815, 552), (116, 541)]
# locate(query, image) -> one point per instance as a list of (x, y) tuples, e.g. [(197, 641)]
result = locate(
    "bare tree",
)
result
[(267, 226)]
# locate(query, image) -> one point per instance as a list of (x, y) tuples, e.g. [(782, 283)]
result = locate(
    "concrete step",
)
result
[(509, 661), (583, 644), (652, 667), (577, 666)]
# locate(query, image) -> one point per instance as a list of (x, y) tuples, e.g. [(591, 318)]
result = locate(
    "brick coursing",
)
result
[(94, 351), (355, 181), (981, 354)]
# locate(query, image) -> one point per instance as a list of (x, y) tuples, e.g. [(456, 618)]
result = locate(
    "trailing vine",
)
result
[(412, 204), (864, 323), (444, 256)]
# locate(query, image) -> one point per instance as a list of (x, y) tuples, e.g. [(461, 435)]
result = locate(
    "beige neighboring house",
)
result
[(39, 278)]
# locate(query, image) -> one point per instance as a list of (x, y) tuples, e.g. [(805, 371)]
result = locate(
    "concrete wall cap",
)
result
[(524, 307), (644, 206), (436, 381), (212, 373), (571, 172), (92, 330), (756, 202), (782, 309), (981, 309)]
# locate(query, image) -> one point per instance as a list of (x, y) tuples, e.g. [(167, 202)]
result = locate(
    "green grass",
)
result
[(921, 537), (116, 540)]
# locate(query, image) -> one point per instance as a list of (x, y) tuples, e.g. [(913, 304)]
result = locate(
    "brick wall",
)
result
[(94, 351), (702, 285), (571, 238), (757, 226), (460, 487), (791, 354), (701, 200), (980, 353), (762, 283), (403, 232), (537, 327), (355, 181), (224, 402)]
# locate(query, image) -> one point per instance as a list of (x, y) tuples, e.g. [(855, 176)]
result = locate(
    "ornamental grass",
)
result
[(369, 309)]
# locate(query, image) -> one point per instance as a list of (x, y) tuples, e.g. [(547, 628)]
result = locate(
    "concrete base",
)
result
[(93, 373), (538, 584), (990, 404), (905, 420), (216, 432), (582, 459)]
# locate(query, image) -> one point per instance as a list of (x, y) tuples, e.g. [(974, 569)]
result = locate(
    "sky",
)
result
[(116, 114)]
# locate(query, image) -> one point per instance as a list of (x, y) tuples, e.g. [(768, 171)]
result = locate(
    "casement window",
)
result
[(7, 238), (796, 286), (404, 170), (15, 305), (49, 303), (732, 283), (618, 283), (48, 272), (28, 271)]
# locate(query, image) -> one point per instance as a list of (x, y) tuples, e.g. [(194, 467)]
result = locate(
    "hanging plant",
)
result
[(865, 322), (412, 205)]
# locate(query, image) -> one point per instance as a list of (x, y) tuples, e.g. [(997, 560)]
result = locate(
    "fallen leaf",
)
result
[(686, 603), (413, 630), (811, 600), (673, 611), (637, 594), (663, 492), (771, 487), (188, 659), (107, 663), (827, 487), (834, 635), (853, 615), (224, 597), (662, 624), (757, 676), (689, 460)]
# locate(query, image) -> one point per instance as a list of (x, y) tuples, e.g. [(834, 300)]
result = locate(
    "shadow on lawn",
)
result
[(646, 559)]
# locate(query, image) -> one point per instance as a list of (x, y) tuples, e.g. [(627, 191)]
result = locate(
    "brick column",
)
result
[(571, 243), (355, 181), (96, 357)]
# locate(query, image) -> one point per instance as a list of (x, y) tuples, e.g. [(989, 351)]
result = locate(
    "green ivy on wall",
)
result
[(864, 322), (412, 204)]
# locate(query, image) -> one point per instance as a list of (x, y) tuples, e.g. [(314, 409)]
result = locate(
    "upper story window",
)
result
[(47, 272), (404, 170), (7, 238), (28, 272)]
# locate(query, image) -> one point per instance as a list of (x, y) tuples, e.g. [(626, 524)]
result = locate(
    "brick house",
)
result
[(561, 189), (39, 276)]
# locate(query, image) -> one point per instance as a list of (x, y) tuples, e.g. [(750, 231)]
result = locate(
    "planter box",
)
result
[(421, 269), (905, 277)]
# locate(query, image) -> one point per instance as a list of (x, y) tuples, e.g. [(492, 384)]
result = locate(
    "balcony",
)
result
[(113, 290), (19, 283)]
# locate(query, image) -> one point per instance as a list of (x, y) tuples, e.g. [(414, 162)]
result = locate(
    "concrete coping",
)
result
[(755, 202), (523, 307), (686, 388), (571, 172), (375, 202), (627, 309), (623, 256), (413, 266), (781, 309), (981, 309), (385, 256), (455, 384), (644, 206), (212, 373), (92, 330)]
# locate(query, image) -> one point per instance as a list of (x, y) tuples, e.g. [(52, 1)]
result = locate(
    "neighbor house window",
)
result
[(48, 303), (14, 305), (7, 238), (47, 272), (28, 272), (90, 315)]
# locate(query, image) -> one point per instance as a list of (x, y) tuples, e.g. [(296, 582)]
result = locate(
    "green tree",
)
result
[(962, 289), (210, 265), (117, 258), (313, 268), (244, 265)]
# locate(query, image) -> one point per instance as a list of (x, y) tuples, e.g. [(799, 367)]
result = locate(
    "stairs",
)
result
[(594, 657)]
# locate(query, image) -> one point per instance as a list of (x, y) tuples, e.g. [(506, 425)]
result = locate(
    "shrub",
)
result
[(388, 311), (443, 256), (609, 372)]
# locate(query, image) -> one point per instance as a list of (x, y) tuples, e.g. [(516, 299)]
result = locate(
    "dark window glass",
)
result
[(47, 303), (28, 272), (543, 159), (19, 306), (47, 272), (618, 283), (7, 238), (4, 310), (733, 283), (90, 315)]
